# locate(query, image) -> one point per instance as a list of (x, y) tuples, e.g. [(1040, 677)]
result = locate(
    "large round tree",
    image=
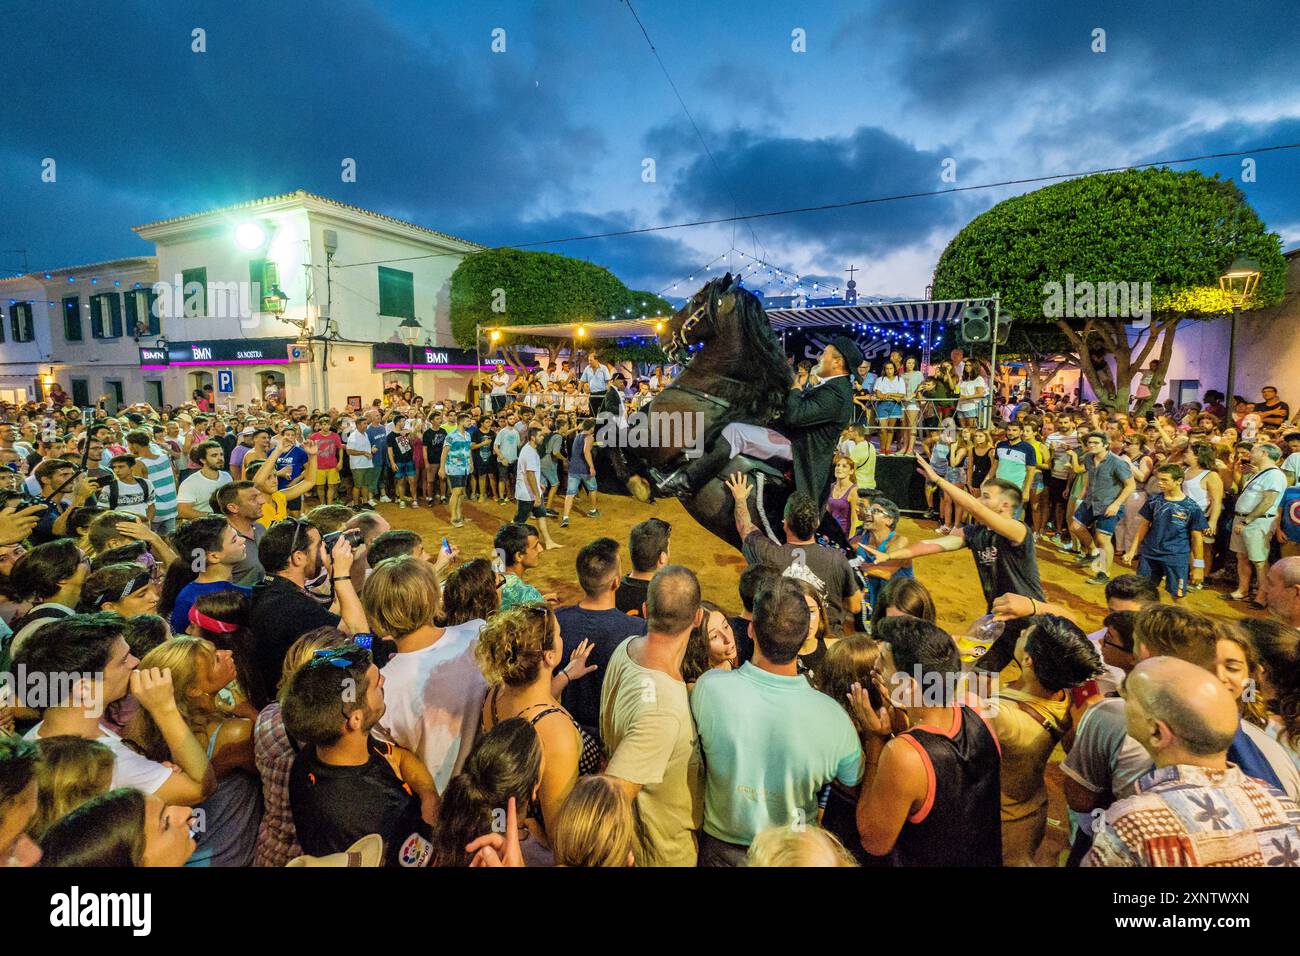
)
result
[(500, 288), (1098, 256)]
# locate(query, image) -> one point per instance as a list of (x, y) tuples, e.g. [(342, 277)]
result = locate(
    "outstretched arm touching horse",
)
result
[(739, 487)]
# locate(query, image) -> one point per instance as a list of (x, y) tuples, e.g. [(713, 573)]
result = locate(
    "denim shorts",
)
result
[(886, 410), (587, 481), (404, 469)]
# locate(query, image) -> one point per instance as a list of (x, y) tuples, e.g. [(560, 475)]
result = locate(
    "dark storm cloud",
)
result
[(650, 261), (284, 93), (951, 53), (1276, 174), (770, 172)]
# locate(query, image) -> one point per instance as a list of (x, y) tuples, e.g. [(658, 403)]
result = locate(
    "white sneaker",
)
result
[(385, 498), (415, 502), (401, 504)]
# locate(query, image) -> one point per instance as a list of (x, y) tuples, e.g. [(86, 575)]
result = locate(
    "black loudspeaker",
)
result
[(1004, 329), (897, 480), (976, 324)]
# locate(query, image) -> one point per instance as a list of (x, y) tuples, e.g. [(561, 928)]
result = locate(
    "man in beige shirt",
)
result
[(645, 721)]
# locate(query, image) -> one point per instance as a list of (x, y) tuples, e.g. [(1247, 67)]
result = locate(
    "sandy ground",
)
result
[(951, 578)]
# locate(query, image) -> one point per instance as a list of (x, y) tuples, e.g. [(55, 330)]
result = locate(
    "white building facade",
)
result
[(80, 327), (349, 278)]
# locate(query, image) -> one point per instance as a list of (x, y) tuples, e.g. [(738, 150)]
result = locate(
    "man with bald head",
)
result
[(645, 722), (1282, 591), (1195, 808)]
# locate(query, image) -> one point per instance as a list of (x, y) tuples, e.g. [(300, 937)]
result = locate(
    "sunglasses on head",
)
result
[(297, 529), (340, 657)]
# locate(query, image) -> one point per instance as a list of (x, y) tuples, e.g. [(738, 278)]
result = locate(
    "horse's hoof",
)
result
[(639, 489)]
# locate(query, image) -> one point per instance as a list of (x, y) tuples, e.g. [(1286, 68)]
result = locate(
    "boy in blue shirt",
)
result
[(1168, 535)]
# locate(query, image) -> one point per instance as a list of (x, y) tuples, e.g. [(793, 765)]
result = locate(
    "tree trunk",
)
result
[(1110, 338)]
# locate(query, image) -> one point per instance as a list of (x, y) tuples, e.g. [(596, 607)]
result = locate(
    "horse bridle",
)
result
[(706, 311)]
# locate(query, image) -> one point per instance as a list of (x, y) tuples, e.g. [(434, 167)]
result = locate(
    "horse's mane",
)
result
[(772, 375)]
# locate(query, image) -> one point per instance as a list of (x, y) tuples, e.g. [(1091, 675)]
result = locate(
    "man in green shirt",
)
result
[(645, 721), (770, 741)]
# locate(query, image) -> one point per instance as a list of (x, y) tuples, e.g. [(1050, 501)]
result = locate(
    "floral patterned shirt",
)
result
[(1185, 815)]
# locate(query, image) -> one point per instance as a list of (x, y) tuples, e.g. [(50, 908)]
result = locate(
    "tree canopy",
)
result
[(1092, 244), (513, 288)]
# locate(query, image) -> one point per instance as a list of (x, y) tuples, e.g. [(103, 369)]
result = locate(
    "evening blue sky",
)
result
[(548, 139)]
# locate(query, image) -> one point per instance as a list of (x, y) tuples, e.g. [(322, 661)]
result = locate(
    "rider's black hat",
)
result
[(849, 350)]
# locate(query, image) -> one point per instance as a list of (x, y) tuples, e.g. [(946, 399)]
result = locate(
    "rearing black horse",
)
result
[(734, 370)]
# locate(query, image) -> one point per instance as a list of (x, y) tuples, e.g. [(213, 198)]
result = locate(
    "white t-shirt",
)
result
[(197, 489), (1292, 467), (130, 769), (499, 383), (134, 498), (1252, 492), (891, 386), (966, 391), (358, 448), (434, 699), (529, 460)]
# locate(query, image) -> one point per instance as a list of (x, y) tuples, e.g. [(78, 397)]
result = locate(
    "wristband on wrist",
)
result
[(1198, 563), (341, 577)]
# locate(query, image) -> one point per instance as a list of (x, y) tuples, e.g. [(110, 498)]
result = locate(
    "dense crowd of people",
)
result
[(216, 651)]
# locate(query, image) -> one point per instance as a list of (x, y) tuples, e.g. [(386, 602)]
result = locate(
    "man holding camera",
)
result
[(55, 474)]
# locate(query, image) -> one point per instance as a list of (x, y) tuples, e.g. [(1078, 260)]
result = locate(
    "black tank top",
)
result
[(980, 467), (960, 823)]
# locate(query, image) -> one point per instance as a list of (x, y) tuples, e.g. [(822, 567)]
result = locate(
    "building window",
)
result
[(2, 324), (396, 293), (20, 322), (140, 316), (72, 318), (113, 388), (194, 287), (106, 315), (263, 276), (81, 392)]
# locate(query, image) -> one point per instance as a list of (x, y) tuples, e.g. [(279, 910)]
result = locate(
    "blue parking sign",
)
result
[(225, 380)]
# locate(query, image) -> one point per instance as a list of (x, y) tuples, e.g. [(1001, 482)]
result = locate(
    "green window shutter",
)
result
[(97, 317), (71, 318), (131, 314), (200, 276), (155, 323), (24, 331), (264, 275), (115, 314), (2, 323), (396, 293)]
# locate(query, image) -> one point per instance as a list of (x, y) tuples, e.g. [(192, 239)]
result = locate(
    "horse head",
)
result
[(702, 317)]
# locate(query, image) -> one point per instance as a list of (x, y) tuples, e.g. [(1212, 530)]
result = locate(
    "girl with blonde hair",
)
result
[(70, 771), (596, 826), (805, 846), (229, 818)]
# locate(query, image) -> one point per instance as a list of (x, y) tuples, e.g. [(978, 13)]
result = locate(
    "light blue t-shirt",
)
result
[(597, 378), (770, 744), (507, 444)]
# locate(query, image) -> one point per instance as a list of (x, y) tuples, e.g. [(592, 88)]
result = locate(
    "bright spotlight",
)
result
[(250, 235)]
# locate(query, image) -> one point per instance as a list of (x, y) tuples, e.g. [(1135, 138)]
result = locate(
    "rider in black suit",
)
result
[(813, 420)]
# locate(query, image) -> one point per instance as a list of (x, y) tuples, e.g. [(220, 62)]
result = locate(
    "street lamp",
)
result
[(1238, 283), (275, 301), (410, 330)]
